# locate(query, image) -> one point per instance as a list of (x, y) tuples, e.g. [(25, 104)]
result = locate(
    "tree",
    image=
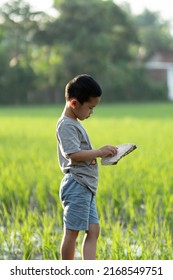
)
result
[(39, 53), (153, 32), (18, 26), (90, 36)]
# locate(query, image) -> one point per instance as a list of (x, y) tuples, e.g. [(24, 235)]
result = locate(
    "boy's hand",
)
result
[(107, 151)]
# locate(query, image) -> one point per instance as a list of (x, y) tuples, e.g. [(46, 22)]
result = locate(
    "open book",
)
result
[(122, 150)]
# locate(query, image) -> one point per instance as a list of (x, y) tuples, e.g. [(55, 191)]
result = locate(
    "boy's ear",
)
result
[(73, 103)]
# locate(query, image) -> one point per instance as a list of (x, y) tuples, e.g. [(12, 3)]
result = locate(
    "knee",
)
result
[(97, 231), (94, 231), (71, 234)]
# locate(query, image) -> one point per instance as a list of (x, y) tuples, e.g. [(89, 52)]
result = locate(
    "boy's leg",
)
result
[(90, 242), (68, 244)]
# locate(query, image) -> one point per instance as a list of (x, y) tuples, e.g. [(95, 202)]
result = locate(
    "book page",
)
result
[(122, 150)]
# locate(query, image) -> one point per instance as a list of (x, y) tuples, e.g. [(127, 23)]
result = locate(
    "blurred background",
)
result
[(43, 44)]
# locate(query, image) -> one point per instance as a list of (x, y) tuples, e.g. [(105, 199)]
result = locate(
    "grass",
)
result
[(134, 199)]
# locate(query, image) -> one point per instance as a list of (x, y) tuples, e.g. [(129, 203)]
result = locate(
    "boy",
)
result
[(78, 162)]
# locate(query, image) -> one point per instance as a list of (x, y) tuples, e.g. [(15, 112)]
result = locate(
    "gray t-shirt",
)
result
[(72, 138)]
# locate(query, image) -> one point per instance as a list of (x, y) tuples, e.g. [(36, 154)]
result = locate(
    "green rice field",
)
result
[(134, 199)]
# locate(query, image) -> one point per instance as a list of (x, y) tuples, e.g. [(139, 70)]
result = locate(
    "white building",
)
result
[(163, 61)]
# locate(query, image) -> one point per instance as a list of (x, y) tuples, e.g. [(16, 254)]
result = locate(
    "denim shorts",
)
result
[(78, 203)]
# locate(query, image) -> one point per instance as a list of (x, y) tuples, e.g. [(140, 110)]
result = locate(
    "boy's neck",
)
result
[(68, 112)]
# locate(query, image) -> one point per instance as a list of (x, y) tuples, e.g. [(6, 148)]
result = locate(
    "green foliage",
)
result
[(154, 33), (17, 81), (130, 83), (18, 25), (40, 53), (96, 46)]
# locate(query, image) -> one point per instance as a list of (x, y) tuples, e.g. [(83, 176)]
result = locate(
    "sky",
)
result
[(161, 6), (137, 6), (41, 5)]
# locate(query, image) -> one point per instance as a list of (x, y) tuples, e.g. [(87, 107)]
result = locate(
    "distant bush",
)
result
[(128, 83)]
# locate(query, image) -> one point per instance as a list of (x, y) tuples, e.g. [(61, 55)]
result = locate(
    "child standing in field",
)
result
[(78, 162)]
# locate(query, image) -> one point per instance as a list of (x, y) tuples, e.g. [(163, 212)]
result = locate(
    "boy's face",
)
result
[(83, 111)]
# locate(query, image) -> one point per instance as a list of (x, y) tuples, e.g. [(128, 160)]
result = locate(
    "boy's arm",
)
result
[(85, 155)]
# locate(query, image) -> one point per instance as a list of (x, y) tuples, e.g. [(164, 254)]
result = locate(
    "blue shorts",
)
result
[(78, 203)]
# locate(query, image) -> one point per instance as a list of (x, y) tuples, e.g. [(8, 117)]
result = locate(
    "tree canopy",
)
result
[(40, 53)]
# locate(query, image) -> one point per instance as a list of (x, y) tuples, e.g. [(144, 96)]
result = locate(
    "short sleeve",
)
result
[(69, 139)]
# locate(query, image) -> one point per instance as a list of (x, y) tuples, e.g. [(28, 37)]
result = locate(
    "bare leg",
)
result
[(90, 242), (68, 244)]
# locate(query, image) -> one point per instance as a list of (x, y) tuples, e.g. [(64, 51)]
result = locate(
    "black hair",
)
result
[(82, 87)]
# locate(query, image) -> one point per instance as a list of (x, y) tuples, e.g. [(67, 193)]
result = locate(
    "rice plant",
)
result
[(134, 199)]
